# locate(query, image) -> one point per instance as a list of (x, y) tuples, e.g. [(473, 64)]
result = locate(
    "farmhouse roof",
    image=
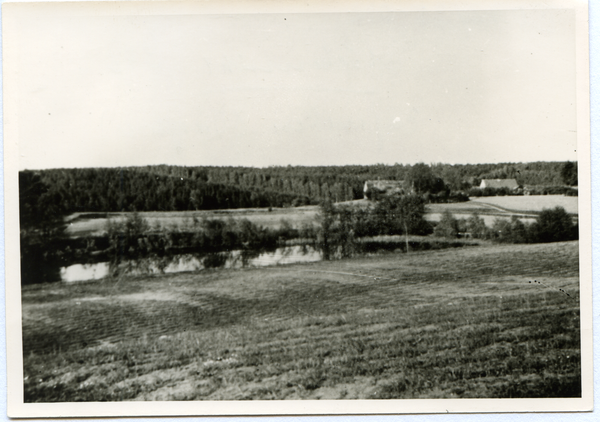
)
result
[(499, 183)]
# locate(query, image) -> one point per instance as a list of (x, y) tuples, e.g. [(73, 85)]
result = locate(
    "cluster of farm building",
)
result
[(402, 187)]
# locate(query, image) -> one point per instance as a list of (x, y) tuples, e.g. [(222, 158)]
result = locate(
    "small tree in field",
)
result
[(476, 226), (326, 235), (400, 214), (448, 226), (510, 231), (347, 222)]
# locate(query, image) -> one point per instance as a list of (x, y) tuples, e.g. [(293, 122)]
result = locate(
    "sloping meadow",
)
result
[(490, 321)]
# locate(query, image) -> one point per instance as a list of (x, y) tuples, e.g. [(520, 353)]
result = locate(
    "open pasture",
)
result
[(460, 208), (530, 203), (466, 209), (451, 323), (84, 224), (489, 208)]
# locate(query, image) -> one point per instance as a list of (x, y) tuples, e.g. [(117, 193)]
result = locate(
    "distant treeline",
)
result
[(107, 189), (176, 188)]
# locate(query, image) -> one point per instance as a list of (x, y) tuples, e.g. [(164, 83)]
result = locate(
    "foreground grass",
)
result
[(451, 323)]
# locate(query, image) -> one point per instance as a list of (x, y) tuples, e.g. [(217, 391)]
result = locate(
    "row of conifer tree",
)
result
[(176, 188)]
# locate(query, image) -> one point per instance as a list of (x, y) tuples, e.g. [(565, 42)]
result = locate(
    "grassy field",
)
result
[(460, 208), (533, 203), (489, 213), (462, 322), (83, 224)]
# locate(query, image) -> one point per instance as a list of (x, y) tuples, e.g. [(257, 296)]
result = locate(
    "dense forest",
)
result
[(106, 189), (177, 188)]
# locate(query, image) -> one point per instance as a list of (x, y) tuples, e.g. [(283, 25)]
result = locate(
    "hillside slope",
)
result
[(472, 322)]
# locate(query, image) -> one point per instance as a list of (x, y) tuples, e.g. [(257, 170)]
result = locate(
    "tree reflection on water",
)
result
[(190, 262)]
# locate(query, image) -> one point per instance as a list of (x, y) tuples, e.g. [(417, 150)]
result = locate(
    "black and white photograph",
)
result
[(223, 208)]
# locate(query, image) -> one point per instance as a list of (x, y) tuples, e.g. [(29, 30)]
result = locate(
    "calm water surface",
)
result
[(190, 262)]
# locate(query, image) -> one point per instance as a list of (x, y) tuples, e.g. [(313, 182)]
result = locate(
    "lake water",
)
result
[(241, 259), (192, 262)]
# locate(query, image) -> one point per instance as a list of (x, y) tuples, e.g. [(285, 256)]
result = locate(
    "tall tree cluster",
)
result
[(551, 225), (105, 190), (569, 173), (340, 226), (41, 227)]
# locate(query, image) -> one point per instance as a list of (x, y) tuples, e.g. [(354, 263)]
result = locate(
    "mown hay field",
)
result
[(489, 213), (530, 203), (450, 323), (469, 207)]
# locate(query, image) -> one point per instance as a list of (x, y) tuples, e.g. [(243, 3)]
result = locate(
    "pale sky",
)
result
[(299, 89)]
